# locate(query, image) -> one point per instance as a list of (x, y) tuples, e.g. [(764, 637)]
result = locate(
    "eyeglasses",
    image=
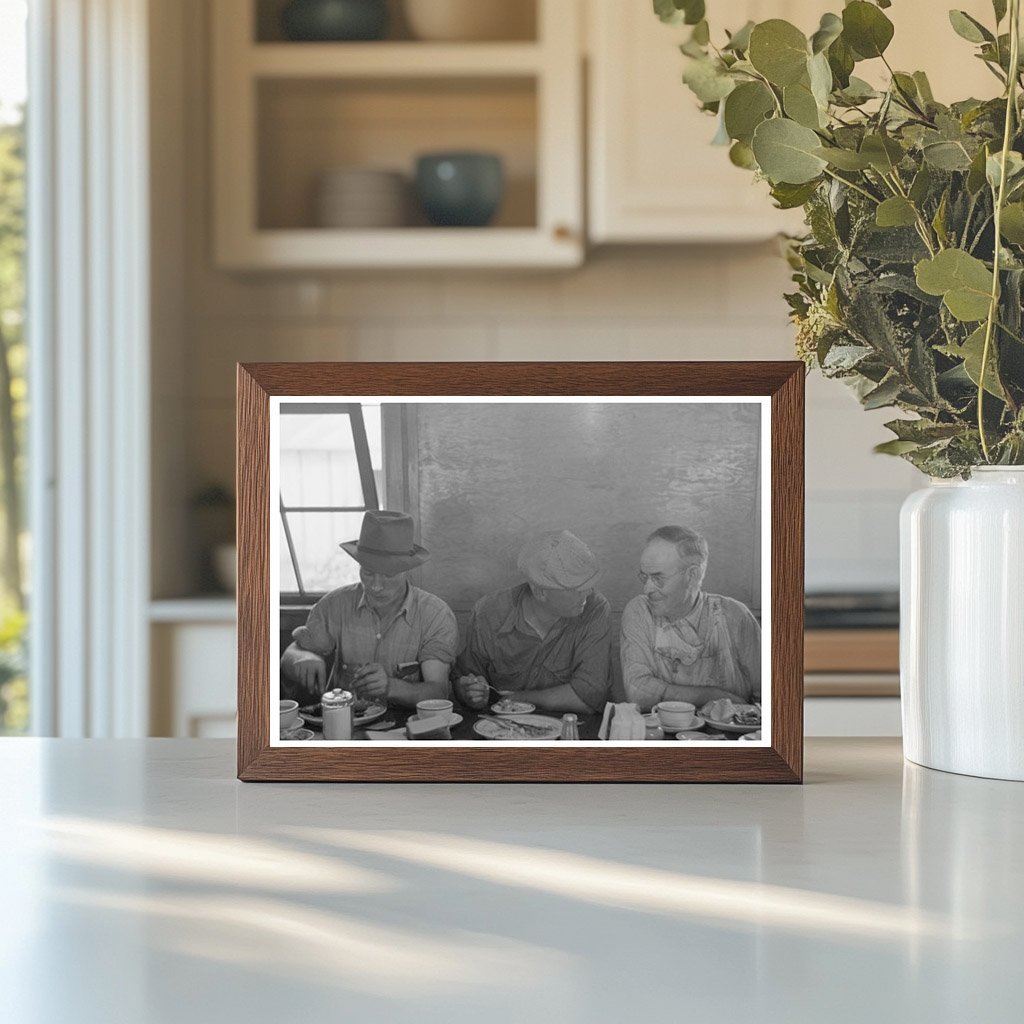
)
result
[(659, 579)]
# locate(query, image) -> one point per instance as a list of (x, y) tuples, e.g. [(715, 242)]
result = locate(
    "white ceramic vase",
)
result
[(962, 624)]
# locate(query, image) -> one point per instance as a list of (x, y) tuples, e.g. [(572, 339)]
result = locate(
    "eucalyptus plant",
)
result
[(910, 278)]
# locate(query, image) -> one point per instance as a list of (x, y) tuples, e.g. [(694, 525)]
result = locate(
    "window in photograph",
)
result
[(14, 703), (331, 473)]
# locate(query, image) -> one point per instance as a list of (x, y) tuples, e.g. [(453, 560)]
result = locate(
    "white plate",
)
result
[(371, 714), (732, 727), (752, 737), (491, 730), (453, 718), (522, 708)]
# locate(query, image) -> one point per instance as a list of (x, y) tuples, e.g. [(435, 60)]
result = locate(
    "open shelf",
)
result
[(287, 113)]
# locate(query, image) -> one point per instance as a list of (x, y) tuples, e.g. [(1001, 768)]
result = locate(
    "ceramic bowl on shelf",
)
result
[(361, 198), (460, 189), (334, 20), (470, 20)]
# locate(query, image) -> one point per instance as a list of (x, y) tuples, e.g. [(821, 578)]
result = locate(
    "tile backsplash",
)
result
[(716, 302)]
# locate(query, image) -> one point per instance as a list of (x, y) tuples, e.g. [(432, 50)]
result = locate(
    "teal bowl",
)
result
[(333, 21), (461, 190)]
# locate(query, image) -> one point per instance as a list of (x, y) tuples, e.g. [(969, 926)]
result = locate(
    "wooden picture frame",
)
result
[(780, 386)]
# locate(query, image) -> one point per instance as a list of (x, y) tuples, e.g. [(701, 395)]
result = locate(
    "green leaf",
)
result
[(676, 12), (785, 152), (866, 29), (789, 197), (885, 394), (994, 167), (778, 50), (858, 91), (841, 60), (895, 447), (971, 352), (923, 431), (883, 153), (963, 281), (800, 105), (742, 155), (708, 81), (924, 88), (976, 175), (999, 7), (968, 28), (820, 75), (939, 220), (896, 212), (701, 33), (739, 41), (921, 185), (745, 108), (830, 28), (844, 159), (1011, 226), (946, 156)]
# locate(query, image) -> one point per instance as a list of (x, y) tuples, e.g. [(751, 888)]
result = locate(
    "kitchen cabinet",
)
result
[(653, 175), (286, 113)]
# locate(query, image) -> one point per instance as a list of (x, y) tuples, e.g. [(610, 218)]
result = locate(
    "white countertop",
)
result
[(142, 883)]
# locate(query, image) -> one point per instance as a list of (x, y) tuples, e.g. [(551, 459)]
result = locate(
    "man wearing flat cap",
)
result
[(547, 641), (377, 624)]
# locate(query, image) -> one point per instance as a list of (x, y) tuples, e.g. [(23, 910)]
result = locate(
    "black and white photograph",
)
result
[(526, 571)]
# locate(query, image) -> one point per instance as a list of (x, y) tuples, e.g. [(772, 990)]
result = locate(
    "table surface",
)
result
[(141, 882)]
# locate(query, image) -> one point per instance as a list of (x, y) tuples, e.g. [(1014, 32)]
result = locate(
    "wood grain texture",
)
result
[(257, 761)]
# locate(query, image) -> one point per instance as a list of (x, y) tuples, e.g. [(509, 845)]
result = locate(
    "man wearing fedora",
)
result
[(377, 624), (547, 641)]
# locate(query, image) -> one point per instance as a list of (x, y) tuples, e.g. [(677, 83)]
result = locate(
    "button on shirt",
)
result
[(342, 623), (504, 648)]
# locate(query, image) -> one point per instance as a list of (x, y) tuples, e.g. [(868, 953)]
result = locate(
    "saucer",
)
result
[(453, 718), (697, 723)]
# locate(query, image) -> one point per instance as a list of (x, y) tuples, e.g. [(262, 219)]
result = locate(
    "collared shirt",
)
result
[(342, 623), (717, 643), (502, 646)]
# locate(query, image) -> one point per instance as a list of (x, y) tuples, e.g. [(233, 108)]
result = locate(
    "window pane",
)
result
[(318, 459), (317, 535), (289, 585), (14, 548)]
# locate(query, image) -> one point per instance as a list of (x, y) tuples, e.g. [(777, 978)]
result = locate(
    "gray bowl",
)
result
[(334, 20), (460, 189)]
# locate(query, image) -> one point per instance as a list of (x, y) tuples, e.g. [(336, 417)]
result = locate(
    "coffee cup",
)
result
[(432, 708), (675, 714), (289, 714)]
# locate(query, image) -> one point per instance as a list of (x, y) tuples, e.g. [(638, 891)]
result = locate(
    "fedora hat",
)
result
[(385, 543)]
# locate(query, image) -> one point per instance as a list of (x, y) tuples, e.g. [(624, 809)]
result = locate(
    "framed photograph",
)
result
[(520, 572)]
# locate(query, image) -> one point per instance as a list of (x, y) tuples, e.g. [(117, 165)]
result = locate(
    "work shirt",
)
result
[(506, 650), (343, 624), (717, 643)]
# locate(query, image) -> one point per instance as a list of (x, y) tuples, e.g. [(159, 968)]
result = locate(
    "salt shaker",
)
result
[(337, 708), (570, 731)]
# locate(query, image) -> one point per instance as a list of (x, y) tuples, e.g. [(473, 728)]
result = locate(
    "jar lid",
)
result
[(337, 698)]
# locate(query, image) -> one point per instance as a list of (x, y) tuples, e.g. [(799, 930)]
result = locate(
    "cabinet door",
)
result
[(654, 175)]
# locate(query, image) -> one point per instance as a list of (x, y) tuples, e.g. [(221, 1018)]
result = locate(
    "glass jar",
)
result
[(337, 709), (570, 729)]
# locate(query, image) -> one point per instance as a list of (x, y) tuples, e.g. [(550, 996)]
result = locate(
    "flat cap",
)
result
[(559, 559)]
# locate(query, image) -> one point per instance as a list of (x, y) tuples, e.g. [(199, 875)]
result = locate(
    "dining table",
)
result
[(395, 717)]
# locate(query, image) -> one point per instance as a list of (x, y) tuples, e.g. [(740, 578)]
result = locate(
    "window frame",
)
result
[(371, 500)]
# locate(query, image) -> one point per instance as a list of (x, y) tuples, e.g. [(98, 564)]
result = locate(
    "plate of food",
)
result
[(728, 716), (297, 734), (507, 706), (521, 727), (363, 712)]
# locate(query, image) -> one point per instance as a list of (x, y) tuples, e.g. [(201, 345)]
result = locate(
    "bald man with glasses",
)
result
[(680, 643)]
